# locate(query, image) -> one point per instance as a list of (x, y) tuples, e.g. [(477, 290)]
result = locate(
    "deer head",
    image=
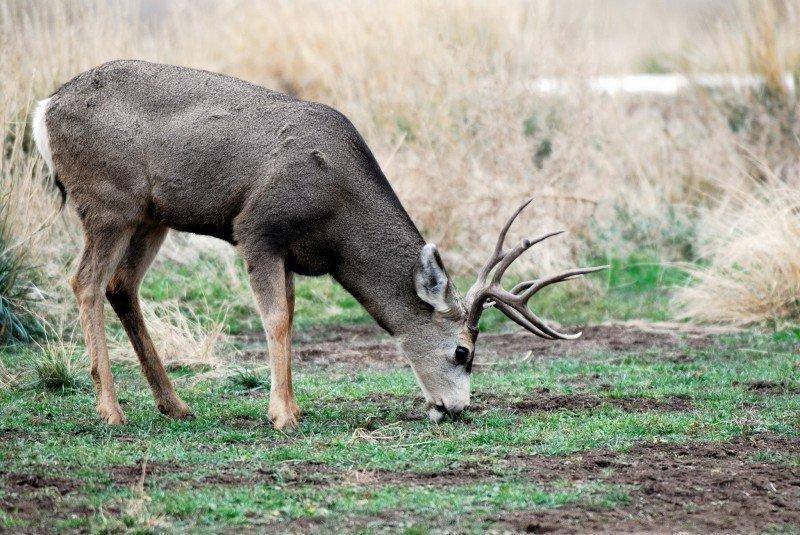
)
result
[(442, 351)]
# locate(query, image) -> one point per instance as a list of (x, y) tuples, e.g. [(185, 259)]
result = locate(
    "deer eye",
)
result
[(462, 355)]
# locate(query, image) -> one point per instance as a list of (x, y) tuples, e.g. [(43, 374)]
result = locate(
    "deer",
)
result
[(139, 148)]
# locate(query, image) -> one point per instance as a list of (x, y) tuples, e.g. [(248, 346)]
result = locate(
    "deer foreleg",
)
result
[(273, 287)]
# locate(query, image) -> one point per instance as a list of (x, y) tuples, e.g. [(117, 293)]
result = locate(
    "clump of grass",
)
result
[(57, 367), (246, 378)]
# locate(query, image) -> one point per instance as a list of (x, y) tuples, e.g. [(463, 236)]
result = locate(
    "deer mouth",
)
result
[(438, 412)]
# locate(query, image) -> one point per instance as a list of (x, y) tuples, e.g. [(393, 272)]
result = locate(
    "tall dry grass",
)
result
[(754, 266), (441, 91)]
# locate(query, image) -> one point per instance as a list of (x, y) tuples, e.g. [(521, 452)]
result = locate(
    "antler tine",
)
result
[(521, 308), (536, 285), (502, 237), (520, 319), (517, 251), (517, 300), (498, 254), (522, 286)]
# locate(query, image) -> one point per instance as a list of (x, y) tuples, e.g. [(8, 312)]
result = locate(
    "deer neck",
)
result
[(376, 265)]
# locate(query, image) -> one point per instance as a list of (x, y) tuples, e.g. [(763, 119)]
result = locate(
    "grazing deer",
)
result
[(141, 148)]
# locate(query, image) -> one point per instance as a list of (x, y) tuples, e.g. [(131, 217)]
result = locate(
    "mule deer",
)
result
[(140, 148)]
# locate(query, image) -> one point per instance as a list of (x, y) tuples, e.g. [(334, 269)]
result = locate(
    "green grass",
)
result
[(248, 378), (204, 290), (208, 473)]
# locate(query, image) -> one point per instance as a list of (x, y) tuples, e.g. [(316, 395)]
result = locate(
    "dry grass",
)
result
[(184, 341), (440, 92), (754, 268)]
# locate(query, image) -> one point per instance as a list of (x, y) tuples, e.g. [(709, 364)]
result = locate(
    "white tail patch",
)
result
[(40, 136)]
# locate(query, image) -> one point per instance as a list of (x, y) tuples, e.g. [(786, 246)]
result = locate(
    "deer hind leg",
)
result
[(101, 254), (123, 295), (273, 286)]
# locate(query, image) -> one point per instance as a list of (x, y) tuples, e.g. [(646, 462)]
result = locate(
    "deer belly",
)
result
[(196, 205)]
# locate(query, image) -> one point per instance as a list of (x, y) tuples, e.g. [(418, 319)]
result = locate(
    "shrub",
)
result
[(17, 291)]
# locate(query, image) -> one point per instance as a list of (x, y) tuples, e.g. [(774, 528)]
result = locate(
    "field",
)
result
[(677, 411), (628, 430)]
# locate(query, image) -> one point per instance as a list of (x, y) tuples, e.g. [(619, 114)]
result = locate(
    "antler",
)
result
[(488, 290)]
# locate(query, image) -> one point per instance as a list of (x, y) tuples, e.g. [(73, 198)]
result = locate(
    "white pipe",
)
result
[(658, 84)]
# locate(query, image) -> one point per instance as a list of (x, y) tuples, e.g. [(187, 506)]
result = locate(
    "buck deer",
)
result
[(140, 148)]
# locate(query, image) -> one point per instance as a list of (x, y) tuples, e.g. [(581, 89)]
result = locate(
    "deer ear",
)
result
[(430, 279)]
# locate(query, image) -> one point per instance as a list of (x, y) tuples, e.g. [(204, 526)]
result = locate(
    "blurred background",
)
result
[(685, 180)]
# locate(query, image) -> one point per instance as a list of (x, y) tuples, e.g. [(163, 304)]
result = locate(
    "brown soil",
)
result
[(35, 499), (769, 387), (24, 482), (368, 346), (541, 400), (703, 487), (131, 475)]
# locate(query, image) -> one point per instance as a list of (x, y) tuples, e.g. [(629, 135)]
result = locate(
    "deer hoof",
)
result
[(110, 412), (176, 408), (286, 417)]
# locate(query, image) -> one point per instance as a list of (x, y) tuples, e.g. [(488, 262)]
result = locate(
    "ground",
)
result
[(632, 428)]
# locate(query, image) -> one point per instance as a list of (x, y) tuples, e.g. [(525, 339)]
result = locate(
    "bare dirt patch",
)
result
[(35, 499), (709, 487), (131, 475), (24, 482), (768, 387), (540, 400), (546, 402)]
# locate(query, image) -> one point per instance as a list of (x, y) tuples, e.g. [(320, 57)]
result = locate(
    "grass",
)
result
[(211, 472), (57, 367), (248, 378), (211, 299)]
